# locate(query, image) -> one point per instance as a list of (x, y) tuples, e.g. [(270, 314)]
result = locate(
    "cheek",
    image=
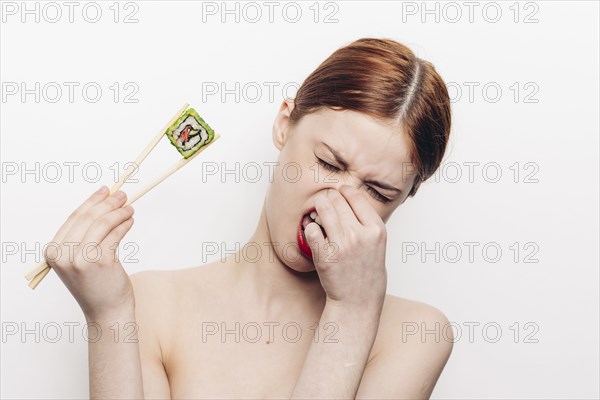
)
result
[(292, 185), (293, 178), (283, 202), (289, 194)]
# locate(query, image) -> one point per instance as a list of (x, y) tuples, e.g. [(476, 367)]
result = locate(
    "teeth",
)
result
[(315, 217)]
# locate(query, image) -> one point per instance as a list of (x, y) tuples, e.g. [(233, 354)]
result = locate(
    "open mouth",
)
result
[(309, 217)]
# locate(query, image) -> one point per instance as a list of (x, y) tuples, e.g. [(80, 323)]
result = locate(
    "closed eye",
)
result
[(328, 166), (374, 193), (377, 195)]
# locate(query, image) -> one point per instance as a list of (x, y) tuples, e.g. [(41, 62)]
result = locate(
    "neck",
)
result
[(274, 287)]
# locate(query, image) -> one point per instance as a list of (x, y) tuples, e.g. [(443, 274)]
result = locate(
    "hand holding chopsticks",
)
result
[(184, 136)]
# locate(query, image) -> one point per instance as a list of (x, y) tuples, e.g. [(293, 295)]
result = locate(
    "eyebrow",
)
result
[(345, 164)]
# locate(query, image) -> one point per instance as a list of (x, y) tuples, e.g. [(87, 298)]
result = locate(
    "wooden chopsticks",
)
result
[(39, 272)]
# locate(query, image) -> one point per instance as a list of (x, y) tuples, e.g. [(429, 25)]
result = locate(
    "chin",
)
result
[(301, 264), (294, 259)]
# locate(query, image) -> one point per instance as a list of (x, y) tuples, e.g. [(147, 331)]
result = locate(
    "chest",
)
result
[(238, 359)]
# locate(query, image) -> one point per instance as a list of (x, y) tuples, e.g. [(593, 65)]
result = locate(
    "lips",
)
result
[(307, 218)]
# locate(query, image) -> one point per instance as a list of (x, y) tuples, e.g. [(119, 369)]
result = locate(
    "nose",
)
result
[(336, 182), (341, 180)]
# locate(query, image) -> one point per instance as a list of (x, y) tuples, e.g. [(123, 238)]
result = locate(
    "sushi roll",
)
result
[(189, 133)]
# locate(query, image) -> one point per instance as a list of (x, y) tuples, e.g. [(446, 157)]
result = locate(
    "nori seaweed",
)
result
[(169, 132)]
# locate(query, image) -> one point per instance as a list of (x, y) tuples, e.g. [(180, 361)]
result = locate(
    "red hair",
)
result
[(384, 80)]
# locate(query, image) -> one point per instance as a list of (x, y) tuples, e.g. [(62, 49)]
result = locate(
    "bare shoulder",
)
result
[(413, 344), (162, 297), (398, 309), (165, 299), (405, 321), (170, 282)]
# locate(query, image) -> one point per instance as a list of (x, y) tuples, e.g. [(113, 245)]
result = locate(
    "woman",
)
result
[(301, 311)]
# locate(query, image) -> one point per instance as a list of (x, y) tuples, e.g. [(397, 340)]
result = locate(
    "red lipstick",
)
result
[(302, 242)]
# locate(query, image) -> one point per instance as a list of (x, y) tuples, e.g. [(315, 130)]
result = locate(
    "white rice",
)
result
[(198, 133)]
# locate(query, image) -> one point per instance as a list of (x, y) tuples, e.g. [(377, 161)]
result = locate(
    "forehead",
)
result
[(372, 148)]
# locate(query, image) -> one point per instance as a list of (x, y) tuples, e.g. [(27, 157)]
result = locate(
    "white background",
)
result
[(549, 209)]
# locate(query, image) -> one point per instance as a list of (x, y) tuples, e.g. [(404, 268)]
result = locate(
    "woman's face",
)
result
[(362, 152)]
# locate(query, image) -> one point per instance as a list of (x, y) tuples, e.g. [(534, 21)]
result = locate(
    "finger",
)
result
[(91, 201), (316, 240), (361, 207), (113, 239), (329, 217), (83, 223), (342, 208), (105, 224)]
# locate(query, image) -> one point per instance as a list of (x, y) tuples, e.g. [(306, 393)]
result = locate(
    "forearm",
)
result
[(114, 357), (334, 368)]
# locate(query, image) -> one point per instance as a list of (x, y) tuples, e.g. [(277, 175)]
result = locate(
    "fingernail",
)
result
[(120, 195), (102, 189), (129, 208)]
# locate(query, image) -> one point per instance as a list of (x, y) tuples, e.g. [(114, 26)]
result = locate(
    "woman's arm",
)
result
[(114, 357), (406, 366), (150, 317), (126, 362), (83, 254), (128, 357), (350, 262), (334, 367)]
